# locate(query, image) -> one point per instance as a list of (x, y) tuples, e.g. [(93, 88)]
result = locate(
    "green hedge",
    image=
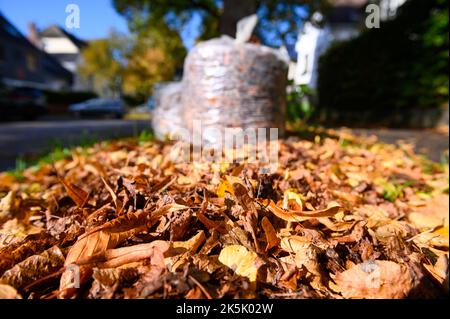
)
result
[(402, 65)]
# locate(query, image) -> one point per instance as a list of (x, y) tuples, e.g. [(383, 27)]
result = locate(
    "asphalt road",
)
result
[(31, 139), (430, 143), (28, 139)]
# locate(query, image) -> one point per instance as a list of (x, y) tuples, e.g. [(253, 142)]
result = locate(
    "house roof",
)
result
[(55, 31), (9, 33)]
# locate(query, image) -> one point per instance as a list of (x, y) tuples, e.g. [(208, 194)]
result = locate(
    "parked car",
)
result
[(22, 102), (99, 107), (146, 107)]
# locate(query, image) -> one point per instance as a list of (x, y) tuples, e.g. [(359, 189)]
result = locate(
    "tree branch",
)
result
[(205, 6)]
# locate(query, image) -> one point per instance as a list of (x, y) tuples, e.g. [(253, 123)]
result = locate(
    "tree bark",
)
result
[(233, 11)]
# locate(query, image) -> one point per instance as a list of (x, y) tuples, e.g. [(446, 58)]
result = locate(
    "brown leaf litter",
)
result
[(124, 220)]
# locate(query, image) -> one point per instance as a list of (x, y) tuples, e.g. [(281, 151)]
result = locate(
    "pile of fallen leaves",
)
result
[(338, 219)]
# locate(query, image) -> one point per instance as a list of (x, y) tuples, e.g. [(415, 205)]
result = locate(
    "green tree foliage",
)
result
[(156, 56), (280, 19), (131, 65), (399, 66), (104, 63)]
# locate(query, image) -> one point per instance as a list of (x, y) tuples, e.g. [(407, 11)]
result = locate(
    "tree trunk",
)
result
[(233, 11)]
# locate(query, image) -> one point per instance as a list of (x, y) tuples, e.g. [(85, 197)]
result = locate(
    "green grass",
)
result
[(145, 136), (430, 167), (17, 172)]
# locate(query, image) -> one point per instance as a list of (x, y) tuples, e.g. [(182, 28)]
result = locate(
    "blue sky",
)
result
[(97, 17)]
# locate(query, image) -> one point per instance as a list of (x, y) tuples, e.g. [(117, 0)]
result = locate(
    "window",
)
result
[(31, 62), (305, 65), (2, 54)]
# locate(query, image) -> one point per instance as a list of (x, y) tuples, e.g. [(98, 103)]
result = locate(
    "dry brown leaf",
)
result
[(121, 256), (434, 213), (78, 195), (303, 253), (295, 216), (380, 279), (162, 199), (421, 220), (270, 232), (7, 205), (210, 224), (250, 214), (436, 238), (108, 280), (243, 198), (190, 245), (236, 234), (8, 292), (117, 201), (94, 244), (180, 251), (355, 235), (440, 271), (14, 231), (33, 268)]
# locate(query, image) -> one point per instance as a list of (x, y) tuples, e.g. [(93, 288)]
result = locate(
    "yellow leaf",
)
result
[(7, 204), (184, 180), (438, 238), (225, 185), (223, 188), (241, 260), (294, 196), (422, 220), (220, 167)]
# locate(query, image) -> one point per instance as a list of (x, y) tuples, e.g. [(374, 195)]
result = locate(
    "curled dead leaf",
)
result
[(77, 194), (94, 243), (117, 201), (125, 255), (179, 251), (296, 216)]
